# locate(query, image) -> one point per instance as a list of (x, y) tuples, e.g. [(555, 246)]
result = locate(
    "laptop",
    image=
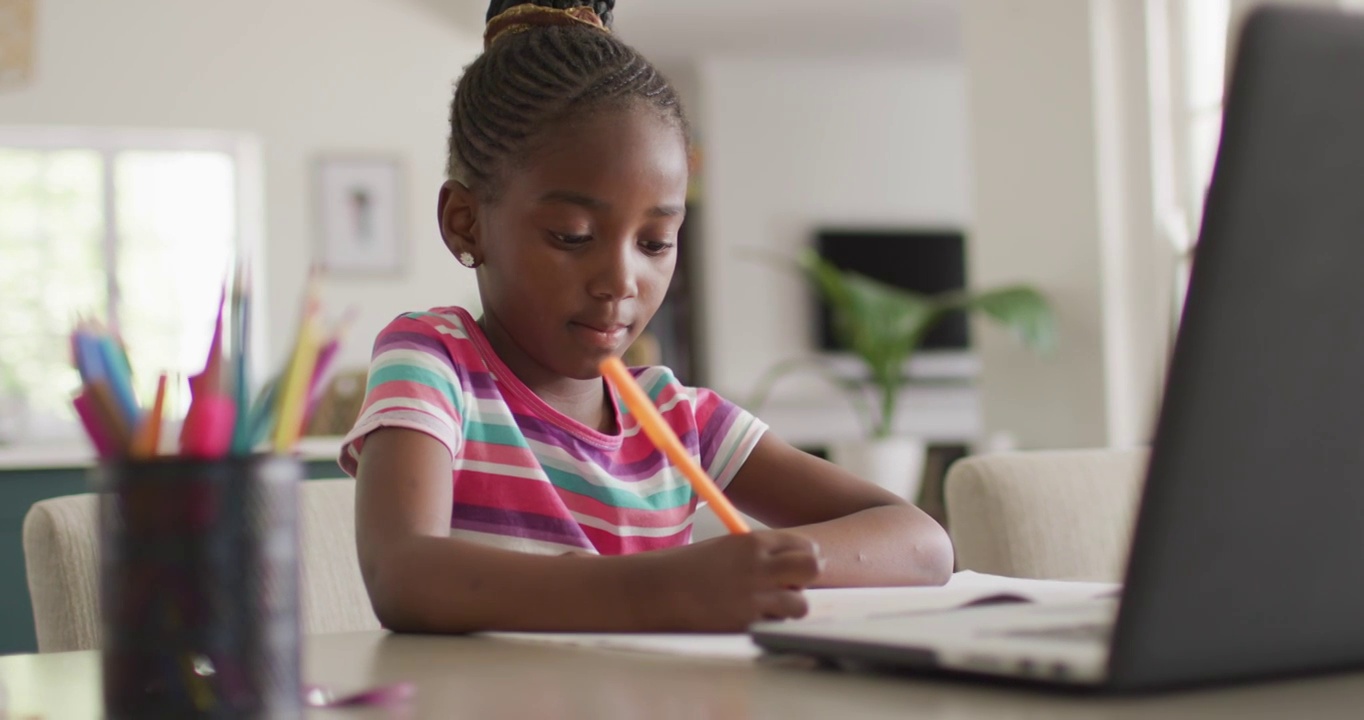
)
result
[(1247, 559)]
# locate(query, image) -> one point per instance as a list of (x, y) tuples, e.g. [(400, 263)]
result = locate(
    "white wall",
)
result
[(1066, 183), (791, 145), (1034, 160), (304, 76)]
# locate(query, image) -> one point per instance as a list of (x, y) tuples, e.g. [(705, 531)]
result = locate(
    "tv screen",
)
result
[(924, 261)]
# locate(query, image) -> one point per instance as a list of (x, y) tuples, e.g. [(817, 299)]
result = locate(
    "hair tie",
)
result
[(520, 18)]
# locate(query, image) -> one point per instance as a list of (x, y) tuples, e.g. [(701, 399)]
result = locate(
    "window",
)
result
[(136, 228), (1188, 54), (1195, 35), (1204, 71)]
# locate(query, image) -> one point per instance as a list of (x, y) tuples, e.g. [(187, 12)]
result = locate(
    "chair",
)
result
[(1056, 515), (62, 555)]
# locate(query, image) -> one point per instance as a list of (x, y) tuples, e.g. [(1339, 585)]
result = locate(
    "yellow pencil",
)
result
[(294, 391), (666, 440)]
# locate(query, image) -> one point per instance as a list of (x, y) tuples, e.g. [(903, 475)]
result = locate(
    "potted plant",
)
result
[(883, 326)]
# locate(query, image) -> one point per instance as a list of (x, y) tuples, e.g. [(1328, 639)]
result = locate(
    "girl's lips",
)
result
[(608, 338)]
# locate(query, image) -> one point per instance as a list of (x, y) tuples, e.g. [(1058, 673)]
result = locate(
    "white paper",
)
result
[(964, 588)]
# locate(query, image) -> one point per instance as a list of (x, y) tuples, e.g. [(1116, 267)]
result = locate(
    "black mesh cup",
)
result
[(199, 587)]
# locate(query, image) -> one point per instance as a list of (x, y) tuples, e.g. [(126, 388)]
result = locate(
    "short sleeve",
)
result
[(413, 384), (726, 433)]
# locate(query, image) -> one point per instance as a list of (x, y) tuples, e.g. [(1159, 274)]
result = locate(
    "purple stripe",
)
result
[(409, 340), (517, 532), (715, 431), (518, 524), (482, 384)]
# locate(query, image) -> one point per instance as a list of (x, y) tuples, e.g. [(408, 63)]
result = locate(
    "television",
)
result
[(925, 261)]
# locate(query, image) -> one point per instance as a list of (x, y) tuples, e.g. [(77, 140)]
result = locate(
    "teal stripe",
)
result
[(662, 379), (484, 432), (398, 372), (653, 381), (679, 496)]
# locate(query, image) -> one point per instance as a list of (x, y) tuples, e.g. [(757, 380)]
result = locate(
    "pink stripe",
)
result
[(626, 517), (440, 320), (500, 454), (608, 544), (507, 493), (707, 403), (635, 449)]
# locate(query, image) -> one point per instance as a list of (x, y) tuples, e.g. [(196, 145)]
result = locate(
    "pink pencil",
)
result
[(210, 380), (100, 437), (207, 432)]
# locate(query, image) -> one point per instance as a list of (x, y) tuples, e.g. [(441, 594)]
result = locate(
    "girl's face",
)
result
[(577, 251)]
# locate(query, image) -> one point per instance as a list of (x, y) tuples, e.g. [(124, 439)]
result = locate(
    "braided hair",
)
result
[(528, 82)]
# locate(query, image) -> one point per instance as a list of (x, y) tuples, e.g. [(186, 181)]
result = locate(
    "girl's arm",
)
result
[(421, 580), (866, 535)]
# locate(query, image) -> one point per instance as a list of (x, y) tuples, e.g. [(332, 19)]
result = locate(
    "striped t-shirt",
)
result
[(527, 477)]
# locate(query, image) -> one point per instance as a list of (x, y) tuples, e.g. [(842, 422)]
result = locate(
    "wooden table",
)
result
[(490, 678)]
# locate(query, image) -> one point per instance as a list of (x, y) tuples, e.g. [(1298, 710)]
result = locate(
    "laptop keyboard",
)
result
[(1083, 632)]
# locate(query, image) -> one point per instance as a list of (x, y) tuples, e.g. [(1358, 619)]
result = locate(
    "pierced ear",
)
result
[(457, 213)]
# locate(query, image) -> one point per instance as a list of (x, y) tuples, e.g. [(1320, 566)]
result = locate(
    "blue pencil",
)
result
[(241, 313), (263, 414), (120, 379), (88, 361)]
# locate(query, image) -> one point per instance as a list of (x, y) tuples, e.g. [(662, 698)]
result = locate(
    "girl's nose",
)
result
[(615, 276)]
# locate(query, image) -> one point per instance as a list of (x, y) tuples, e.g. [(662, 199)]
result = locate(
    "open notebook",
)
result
[(965, 588)]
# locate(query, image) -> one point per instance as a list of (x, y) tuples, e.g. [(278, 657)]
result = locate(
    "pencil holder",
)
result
[(199, 587)]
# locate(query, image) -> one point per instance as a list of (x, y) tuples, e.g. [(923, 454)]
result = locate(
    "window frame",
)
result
[(244, 150)]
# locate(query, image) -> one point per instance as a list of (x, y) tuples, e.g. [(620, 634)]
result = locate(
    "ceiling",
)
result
[(671, 30)]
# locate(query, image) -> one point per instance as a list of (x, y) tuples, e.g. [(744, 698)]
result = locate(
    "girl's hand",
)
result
[(728, 583)]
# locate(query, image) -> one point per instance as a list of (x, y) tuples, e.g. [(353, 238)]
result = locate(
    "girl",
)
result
[(501, 485)]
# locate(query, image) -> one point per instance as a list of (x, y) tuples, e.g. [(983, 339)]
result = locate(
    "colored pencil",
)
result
[(119, 378), (241, 385), (220, 419), (293, 392), (651, 421), (106, 446), (147, 441), (110, 416)]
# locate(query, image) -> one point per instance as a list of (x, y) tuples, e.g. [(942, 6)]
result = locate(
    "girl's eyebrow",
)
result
[(572, 198), (667, 211)]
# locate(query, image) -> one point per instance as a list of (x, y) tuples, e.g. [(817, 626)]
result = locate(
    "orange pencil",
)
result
[(666, 440), (148, 438), (106, 408)]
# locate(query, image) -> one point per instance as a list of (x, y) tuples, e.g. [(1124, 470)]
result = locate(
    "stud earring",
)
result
[(467, 259)]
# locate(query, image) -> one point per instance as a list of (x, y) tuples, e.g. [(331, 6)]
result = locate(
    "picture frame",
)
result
[(359, 215)]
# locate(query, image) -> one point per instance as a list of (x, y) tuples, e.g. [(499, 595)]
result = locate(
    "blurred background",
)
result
[(1065, 144)]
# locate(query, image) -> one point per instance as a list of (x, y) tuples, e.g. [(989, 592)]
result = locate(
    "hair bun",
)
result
[(603, 8)]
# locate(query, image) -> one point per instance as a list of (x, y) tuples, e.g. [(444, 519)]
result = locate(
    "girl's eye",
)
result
[(655, 247), (571, 239)]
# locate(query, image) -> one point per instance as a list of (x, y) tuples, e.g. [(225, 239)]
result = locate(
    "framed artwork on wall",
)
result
[(359, 202)]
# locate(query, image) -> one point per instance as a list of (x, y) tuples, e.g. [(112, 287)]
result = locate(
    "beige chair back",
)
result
[(1056, 515), (62, 556)]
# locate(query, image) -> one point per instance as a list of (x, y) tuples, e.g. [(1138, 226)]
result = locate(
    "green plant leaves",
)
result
[(884, 325), (1021, 309)]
